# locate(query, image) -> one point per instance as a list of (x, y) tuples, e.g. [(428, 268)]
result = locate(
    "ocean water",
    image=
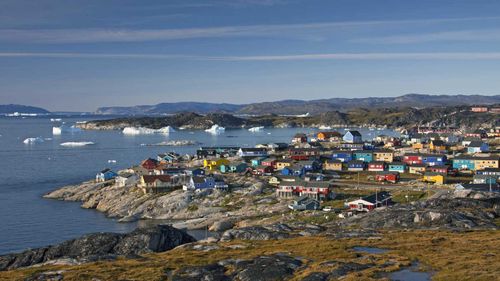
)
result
[(27, 171)]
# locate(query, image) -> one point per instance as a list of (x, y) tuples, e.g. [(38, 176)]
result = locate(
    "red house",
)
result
[(263, 170), (319, 190), (376, 166), (441, 169), (299, 154), (271, 162), (387, 177), (299, 138), (149, 164), (412, 158)]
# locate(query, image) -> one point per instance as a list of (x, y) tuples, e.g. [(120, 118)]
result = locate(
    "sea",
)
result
[(28, 171)]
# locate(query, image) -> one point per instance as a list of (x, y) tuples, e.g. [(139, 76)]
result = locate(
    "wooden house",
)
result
[(370, 203)]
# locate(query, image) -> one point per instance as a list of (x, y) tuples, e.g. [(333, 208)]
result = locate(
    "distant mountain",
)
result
[(11, 108), (313, 107)]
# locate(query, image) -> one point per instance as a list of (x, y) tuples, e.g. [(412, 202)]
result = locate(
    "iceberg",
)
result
[(65, 129), (147, 131), (77, 143), (256, 129), (323, 127), (55, 119), (33, 140), (216, 129)]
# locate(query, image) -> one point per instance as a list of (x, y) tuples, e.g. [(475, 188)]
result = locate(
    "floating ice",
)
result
[(216, 129), (256, 129), (33, 140), (77, 143), (323, 127), (147, 131), (111, 161), (65, 129), (55, 119)]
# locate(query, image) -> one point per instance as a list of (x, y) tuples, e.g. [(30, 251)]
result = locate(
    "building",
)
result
[(479, 109), (352, 146), (329, 136), (352, 137), (299, 138), (332, 165), (399, 167), (282, 163), (304, 153), (490, 172), (210, 182), (157, 183), (126, 179), (417, 169), (319, 190), (370, 203), (214, 164), (149, 164), (356, 166), (477, 147), (362, 155), (435, 178), (437, 145), (271, 162), (310, 165), (105, 175), (383, 155), (440, 169), (252, 152), (263, 170), (195, 172), (376, 166), (305, 203), (427, 159), (463, 163), (342, 155), (481, 163), (485, 179), (392, 177)]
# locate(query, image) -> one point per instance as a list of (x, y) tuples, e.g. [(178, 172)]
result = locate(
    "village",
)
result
[(311, 170)]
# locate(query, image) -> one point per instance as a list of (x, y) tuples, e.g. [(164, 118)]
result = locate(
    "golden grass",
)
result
[(452, 256)]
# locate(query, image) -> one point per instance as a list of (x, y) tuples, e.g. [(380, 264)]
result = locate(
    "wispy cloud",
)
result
[(303, 30), (461, 35), (263, 58)]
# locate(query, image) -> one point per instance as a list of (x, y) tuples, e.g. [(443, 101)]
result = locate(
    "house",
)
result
[(412, 158), (105, 175), (356, 165), (276, 180), (263, 170), (305, 203), (149, 164), (478, 187), (304, 153), (392, 177), (271, 162), (216, 151), (214, 164), (299, 138), (157, 183), (370, 203), (363, 155), (126, 179), (477, 147), (428, 159), (399, 167), (238, 167), (282, 163), (168, 157), (195, 172), (352, 146), (468, 140), (463, 163), (477, 134), (437, 145), (435, 178), (332, 165), (440, 169), (481, 163), (278, 146), (310, 165), (319, 190), (294, 170), (342, 155), (200, 183), (163, 170), (417, 169), (485, 179), (252, 152), (479, 109), (329, 136), (383, 155), (490, 172), (256, 161), (376, 166), (352, 137)]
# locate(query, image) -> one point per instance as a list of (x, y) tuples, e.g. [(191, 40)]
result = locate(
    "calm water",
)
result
[(29, 171)]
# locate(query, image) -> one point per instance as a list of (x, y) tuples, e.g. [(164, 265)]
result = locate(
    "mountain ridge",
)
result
[(12, 108)]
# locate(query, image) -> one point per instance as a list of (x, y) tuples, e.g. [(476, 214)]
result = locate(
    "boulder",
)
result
[(222, 225)]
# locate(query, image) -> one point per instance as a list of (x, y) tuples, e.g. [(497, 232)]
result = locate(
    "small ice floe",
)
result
[(77, 143), (268, 133), (147, 131), (112, 161), (173, 143), (55, 119), (33, 140), (65, 129), (48, 139), (323, 127), (256, 129), (216, 129)]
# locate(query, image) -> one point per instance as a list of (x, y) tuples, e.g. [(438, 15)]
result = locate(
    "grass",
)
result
[(469, 255)]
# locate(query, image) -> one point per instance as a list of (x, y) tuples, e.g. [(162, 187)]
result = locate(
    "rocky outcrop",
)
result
[(272, 267), (256, 233), (99, 246), (453, 211)]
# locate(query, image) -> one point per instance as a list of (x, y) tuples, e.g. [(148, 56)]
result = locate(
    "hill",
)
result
[(11, 108)]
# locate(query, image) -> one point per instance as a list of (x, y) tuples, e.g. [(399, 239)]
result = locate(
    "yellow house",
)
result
[(214, 164), (416, 169), (383, 155), (417, 146), (280, 164), (332, 165), (437, 145), (482, 163), (434, 178)]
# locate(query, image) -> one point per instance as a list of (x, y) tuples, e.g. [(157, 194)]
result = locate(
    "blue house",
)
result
[(105, 175), (363, 155), (343, 156), (238, 167), (477, 147), (198, 182), (195, 172), (353, 137), (356, 165), (399, 167), (464, 163), (252, 152), (311, 165), (257, 161), (352, 146), (433, 159), (294, 170)]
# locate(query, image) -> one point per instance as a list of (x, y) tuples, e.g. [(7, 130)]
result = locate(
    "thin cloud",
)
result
[(306, 30), (461, 35), (296, 57)]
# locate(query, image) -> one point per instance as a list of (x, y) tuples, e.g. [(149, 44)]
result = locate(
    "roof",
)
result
[(304, 200), (398, 163), (376, 163), (153, 178), (383, 151), (438, 142), (331, 134), (105, 171), (253, 149), (333, 162), (476, 143), (424, 155), (377, 197), (431, 174), (439, 167), (363, 151), (300, 135), (354, 133), (418, 166), (355, 162)]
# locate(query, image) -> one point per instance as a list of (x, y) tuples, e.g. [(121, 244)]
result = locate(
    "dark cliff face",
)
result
[(98, 246)]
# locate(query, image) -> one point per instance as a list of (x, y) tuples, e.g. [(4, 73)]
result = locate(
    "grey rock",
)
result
[(102, 246), (274, 267), (212, 272), (253, 233)]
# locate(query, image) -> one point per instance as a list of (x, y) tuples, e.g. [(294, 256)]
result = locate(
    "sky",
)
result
[(72, 55)]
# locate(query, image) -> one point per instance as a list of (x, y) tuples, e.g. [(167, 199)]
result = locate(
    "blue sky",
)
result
[(79, 55)]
